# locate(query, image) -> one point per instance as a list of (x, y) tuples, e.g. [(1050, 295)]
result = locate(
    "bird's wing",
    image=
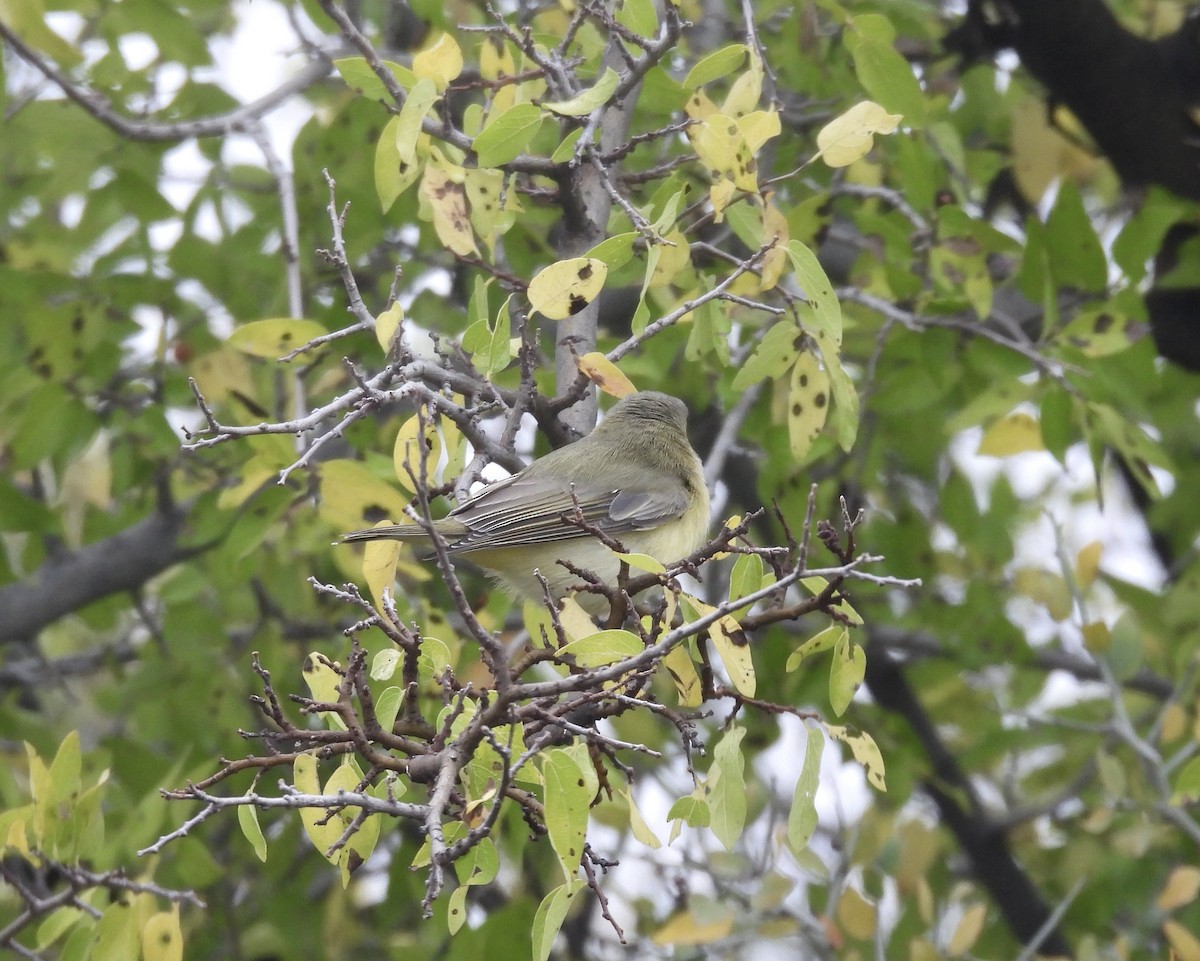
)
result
[(530, 510)]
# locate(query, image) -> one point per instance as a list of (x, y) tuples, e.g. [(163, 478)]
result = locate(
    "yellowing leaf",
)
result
[(566, 287), (605, 374), (759, 127), (162, 937), (850, 137), (746, 88), (406, 453), (686, 929), (353, 497), (440, 62), (412, 115), (722, 148), (273, 338), (856, 915), (641, 830), (594, 97), (379, 565), (576, 622), (865, 751), (678, 663), (847, 673), (808, 403), (393, 175), (442, 190), (1015, 434), (731, 645)]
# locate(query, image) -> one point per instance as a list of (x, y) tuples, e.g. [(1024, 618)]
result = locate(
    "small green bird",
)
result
[(635, 477)]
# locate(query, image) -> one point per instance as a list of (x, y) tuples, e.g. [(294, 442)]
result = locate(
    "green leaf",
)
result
[(749, 574), (847, 673), (1075, 254), (273, 338), (393, 175), (248, 822), (802, 818), (692, 810), (773, 357), (727, 789), (592, 98), (717, 65), (826, 324), (568, 799), (360, 77), (605, 647), (882, 71), (387, 706), (821, 641), (412, 115), (550, 915), (507, 136)]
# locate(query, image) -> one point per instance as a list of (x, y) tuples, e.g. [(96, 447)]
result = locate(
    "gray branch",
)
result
[(65, 583)]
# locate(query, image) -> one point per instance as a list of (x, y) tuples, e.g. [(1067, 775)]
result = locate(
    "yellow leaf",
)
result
[(967, 932), (566, 287), (387, 324), (722, 148), (495, 59), (442, 189), (441, 62), (353, 497), (856, 915), (1017, 433), (275, 337), (1185, 944), (678, 663), (808, 403), (700, 106), (746, 88), (850, 137), (1042, 152), (379, 565), (1181, 888), (605, 374), (674, 256), (757, 127), (162, 938), (637, 823), (731, 644), (865, 751), (576, 622), (406, 453), (221, 371), (685, 928), (1087, 563)]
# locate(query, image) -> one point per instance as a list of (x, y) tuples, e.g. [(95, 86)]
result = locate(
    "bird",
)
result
[(635, 478)]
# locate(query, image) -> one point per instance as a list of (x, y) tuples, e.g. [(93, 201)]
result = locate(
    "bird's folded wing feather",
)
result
[(531, 510)]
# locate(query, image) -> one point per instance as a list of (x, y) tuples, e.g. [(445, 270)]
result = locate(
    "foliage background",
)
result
[(1019, 439)]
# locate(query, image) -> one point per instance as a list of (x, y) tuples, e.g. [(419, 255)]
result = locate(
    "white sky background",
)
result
[(262, 54)]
